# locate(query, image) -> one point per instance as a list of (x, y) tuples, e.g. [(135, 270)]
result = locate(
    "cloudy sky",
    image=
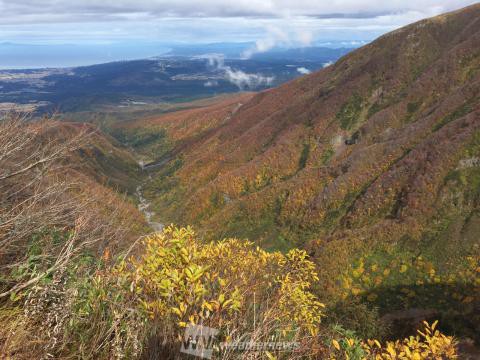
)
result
[(290, 22)]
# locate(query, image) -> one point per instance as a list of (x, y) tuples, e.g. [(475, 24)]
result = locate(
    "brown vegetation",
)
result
[(373, 157), (50, 213)]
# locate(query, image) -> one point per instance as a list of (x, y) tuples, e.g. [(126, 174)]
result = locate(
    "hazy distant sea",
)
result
[(23, 56)]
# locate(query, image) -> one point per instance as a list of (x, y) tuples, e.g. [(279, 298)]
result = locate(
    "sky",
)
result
[(65, 33), (267, 22)]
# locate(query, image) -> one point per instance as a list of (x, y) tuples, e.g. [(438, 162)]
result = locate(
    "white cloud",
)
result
[(141, 9), (239, 78), (268, 22), (304, 37), (247, 81), (211, 83), (303, 70), (276, 37)]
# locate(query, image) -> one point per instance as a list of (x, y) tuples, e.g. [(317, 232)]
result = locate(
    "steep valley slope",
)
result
[(372, 164), (101, 171)]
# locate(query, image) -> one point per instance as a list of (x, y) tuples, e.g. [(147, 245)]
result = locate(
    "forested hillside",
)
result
[(357, 188), (372, 165)]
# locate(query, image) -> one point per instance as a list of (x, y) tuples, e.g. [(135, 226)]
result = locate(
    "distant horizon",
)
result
[(122, 30), (28, 56)]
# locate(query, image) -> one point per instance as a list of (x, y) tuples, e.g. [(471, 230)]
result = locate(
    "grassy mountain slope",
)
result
[(373, 158)]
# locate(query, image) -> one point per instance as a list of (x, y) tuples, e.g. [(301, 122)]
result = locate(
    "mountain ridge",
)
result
[(368, 164), (331, 122)]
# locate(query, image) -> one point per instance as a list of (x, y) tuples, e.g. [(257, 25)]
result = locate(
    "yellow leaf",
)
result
[(221, 298), (207, 305), (270, 356), (176, 311), (335, 344), (356, 291)]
